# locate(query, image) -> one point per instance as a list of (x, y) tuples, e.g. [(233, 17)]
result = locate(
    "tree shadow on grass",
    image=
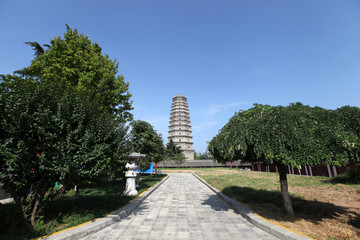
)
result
[(95, 200), (96, 205), (342, 179), (270, 203), (92, 201)]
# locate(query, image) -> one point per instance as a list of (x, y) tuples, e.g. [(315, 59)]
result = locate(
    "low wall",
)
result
[(203, 164)]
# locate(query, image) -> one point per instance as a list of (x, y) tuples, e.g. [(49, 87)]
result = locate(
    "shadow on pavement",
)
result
[(216, 203), (142, 209)]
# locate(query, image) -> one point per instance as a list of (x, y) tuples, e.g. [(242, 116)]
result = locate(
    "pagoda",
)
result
[(180, 126)]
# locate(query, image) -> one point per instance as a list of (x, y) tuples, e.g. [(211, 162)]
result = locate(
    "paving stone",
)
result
[(183, 235), (170, 234), (182, 208)]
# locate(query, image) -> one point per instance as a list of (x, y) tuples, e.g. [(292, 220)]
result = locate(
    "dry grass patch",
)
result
[(323, 210)]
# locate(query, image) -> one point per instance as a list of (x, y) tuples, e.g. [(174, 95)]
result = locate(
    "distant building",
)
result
[(180, 126)]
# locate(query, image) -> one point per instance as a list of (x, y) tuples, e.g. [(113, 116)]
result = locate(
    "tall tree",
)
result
[(174, 153), (172, 149), (48, 138), (294, 135), (147, 141), (349, 117), (61, 120), (75, 62)]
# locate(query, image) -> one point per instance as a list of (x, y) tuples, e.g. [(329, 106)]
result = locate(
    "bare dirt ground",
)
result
[(338, 210), (330, 211)]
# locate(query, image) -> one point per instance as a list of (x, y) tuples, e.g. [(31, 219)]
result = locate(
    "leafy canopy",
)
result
[(172, 149), (147, 141), (48, 138), (293, 135), (61, 121), (75, 62)]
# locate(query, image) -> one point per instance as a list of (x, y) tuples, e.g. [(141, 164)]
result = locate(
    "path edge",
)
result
[(260, 222), (96, 225)]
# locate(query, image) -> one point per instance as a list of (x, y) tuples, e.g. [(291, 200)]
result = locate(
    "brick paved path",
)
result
[(182, 208)]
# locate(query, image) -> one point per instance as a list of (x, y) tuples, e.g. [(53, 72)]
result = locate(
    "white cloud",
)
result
[(212, 116), (216, 108), (199, 127)]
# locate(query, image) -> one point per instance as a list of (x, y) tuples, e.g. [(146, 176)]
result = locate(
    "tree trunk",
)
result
[(24, 221), (34, 212), (61, 192), (284, 189)]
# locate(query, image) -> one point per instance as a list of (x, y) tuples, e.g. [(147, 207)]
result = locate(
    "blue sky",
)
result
[(222, 55)]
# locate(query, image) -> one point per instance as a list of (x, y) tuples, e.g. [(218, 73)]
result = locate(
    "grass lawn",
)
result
[(90, 202), (323, 208)]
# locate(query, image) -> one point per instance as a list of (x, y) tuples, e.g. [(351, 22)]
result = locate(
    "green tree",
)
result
[(147, 141), (179, 158), (349, 117), (202, 156), (75, 62), (61, 120), (174, 153), (48, 138), (172, 149), (294, 135)]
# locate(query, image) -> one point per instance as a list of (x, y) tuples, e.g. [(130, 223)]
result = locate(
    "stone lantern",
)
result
[(130, 174)]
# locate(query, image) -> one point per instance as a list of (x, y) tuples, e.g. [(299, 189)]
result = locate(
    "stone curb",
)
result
[(100, 223), (262, 223), (6, 200)]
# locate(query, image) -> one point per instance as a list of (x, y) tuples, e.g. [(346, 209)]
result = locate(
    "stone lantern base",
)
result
[(130, 189)]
